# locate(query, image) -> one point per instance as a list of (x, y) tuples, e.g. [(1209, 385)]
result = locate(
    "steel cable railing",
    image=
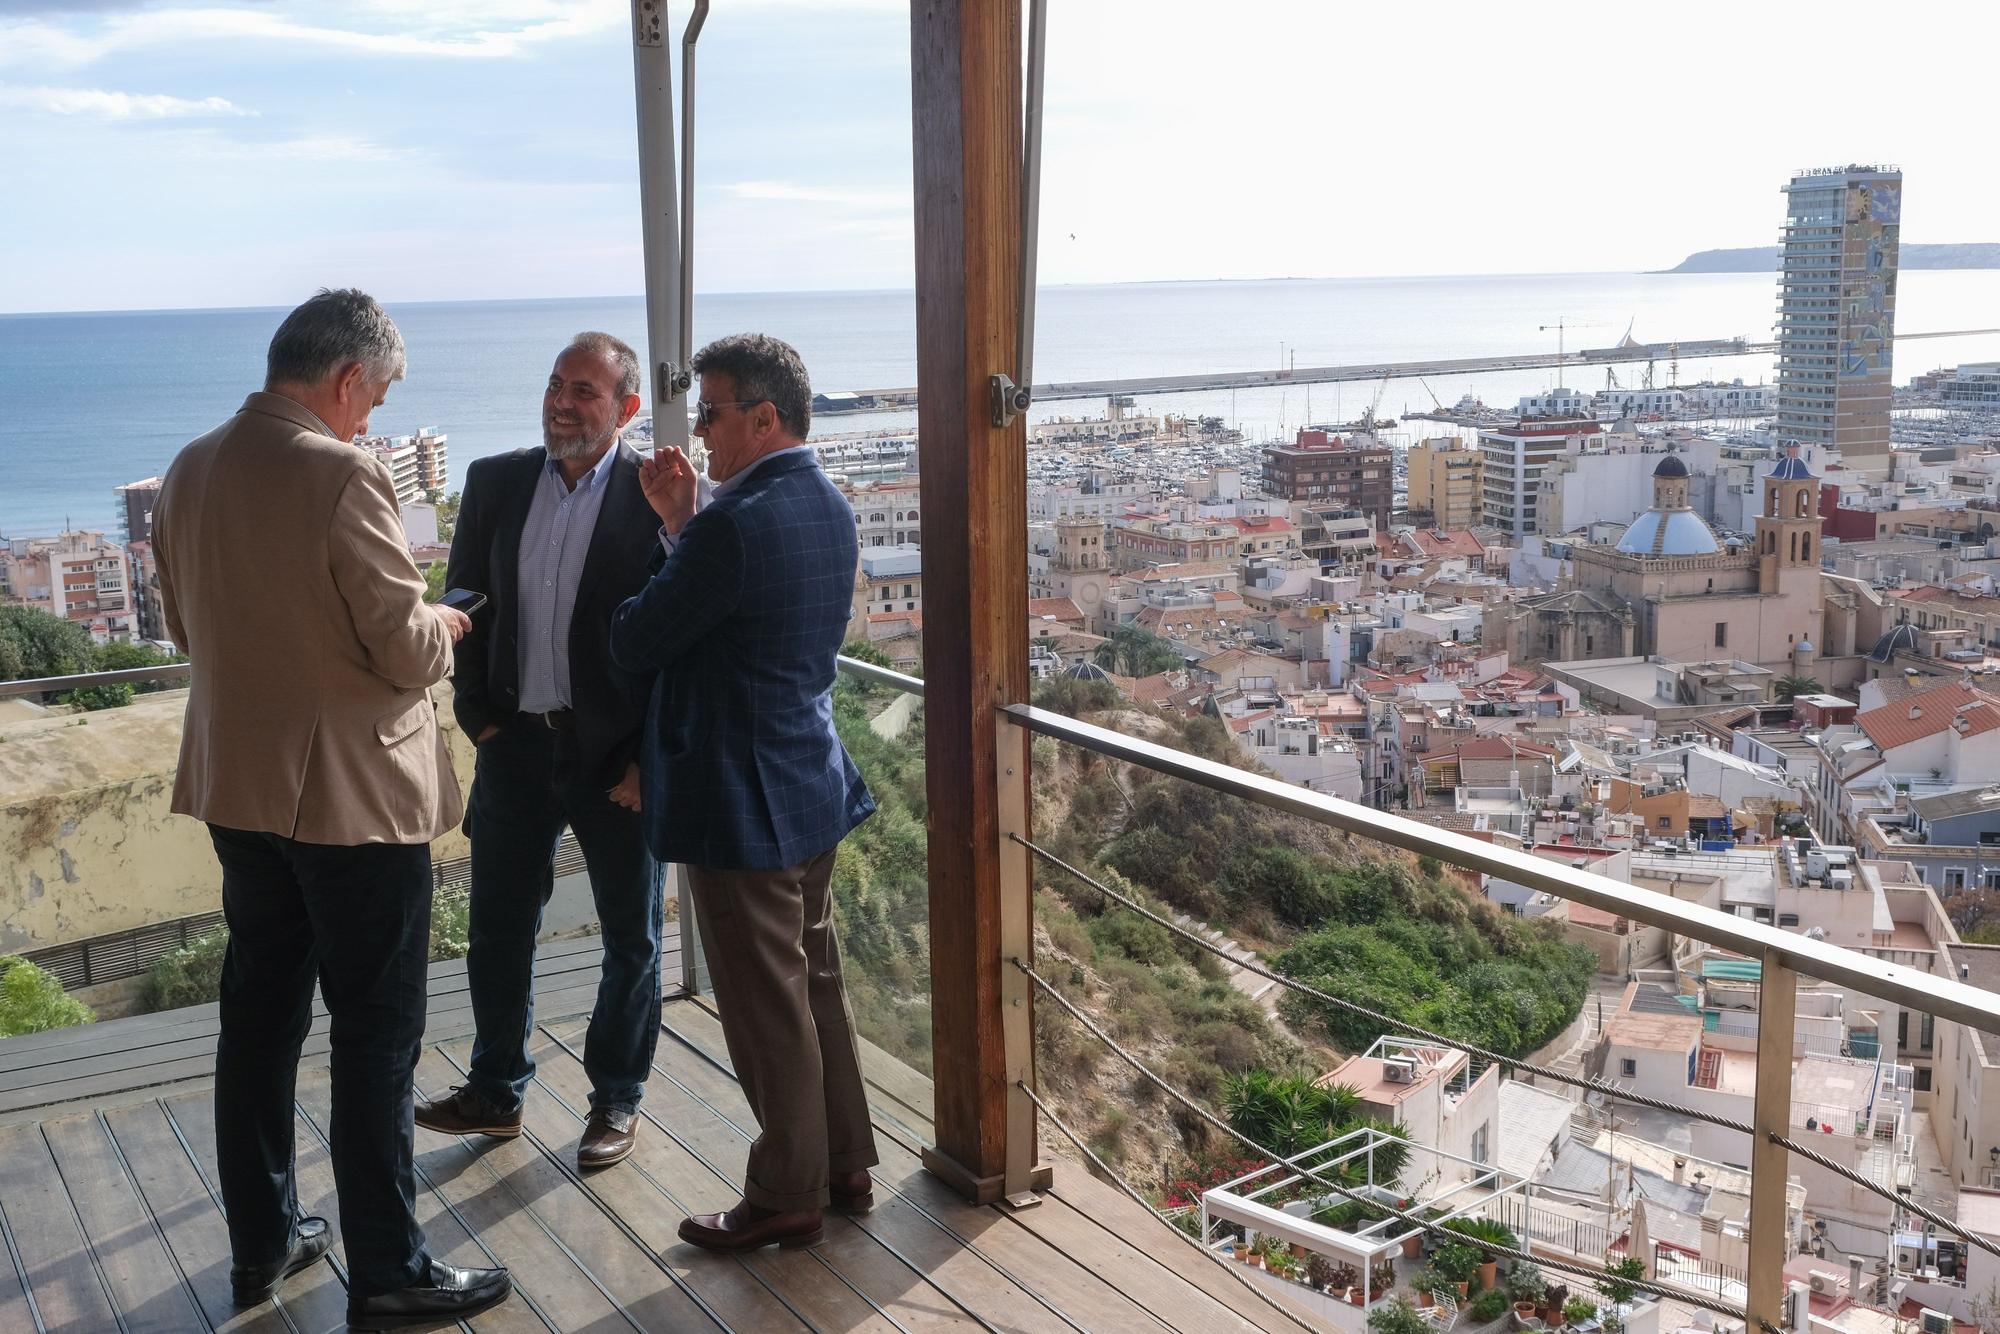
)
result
[(1376, 1016), (1106, 1171), (1896, 1198), (1593, 1274)]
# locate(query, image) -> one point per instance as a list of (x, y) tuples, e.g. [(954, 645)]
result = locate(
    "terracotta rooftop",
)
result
[(1927, 713), (1063, 609)]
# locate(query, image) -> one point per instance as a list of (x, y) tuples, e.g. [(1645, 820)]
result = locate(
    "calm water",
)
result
[(90, 401)]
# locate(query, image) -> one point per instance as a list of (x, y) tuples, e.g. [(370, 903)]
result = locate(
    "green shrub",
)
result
[(1397, 1317), (31, 1001), (191, 975), (1492, 1304), (451, 927), (93, 698)]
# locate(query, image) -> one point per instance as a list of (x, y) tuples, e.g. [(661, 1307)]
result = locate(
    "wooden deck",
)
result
[(110, 1219)]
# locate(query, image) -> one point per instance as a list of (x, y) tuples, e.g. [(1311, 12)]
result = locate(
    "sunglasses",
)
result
[(704, 411)]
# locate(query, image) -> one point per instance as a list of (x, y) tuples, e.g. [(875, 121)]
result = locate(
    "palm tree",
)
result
[(1791, 687)]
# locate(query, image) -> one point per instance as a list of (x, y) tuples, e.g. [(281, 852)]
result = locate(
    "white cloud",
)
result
[(449, 34), (212, 146), (792, 192), (100, 104)]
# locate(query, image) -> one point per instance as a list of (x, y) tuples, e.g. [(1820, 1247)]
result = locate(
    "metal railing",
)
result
[(52, 685), (1784, 956)]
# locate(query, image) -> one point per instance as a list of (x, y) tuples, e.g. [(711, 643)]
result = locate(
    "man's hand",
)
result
[(456, 622), (486, 733), (626, 794), (671, 487)]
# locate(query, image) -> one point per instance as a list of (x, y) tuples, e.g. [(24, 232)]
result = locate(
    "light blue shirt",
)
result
[(554, 543), (705, 491)]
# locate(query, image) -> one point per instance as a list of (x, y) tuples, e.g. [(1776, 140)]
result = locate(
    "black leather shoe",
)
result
[(441, 1294), (251, 1284)]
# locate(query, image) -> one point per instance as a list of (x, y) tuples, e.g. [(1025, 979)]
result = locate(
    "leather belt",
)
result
[(561, 720)]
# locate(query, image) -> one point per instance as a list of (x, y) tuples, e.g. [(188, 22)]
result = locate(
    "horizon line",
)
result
[(856, 291)]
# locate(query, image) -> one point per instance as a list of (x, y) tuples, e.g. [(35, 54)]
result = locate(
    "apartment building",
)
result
[(1446, 480), (1353, 473), (886, 514), (79, 576)]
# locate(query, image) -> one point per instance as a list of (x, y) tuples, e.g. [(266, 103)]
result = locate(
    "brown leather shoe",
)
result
[(465, 1112), (853, 1193), (607, 1139), (746, 1228)]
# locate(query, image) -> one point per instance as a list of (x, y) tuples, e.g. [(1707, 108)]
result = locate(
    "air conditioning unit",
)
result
[(1935, 1322), (1400, 1070), (1825, 1284)]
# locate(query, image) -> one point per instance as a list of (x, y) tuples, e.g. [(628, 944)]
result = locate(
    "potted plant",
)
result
[(1320, 1272), (1484, 1233), (1457, 1262), (1490, 1306), (1579, 1309), (1382, 1276), (1552, 1303), (1526, 1286), (1427, 1283), (1397, 1317), (1413, 1245)]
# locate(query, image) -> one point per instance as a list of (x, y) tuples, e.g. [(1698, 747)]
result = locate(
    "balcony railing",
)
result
[(1784, 957)]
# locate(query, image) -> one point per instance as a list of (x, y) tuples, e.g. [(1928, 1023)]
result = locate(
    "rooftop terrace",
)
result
[(112, 1219)]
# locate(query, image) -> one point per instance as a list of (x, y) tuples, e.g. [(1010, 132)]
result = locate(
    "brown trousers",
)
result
[(775, 967)]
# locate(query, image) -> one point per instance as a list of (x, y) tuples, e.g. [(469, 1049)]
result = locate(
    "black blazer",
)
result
[(608, 702)]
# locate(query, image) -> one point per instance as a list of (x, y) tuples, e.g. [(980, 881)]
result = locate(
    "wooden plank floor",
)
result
[(149, 1050), (110, 1219)]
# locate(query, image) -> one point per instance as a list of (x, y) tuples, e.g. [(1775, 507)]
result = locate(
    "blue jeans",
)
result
[(357, 920), (522, 796)]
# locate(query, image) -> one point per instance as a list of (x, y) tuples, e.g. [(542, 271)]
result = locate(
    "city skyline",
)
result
[(473, 151)]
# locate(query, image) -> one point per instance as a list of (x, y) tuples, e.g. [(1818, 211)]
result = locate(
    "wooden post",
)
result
[(965, 77), (1770, 1164)]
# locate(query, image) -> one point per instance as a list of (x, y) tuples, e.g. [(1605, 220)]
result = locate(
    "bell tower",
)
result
[(1788, 525)]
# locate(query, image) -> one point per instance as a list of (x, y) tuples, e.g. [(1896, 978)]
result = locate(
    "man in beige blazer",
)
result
[(312, 751)]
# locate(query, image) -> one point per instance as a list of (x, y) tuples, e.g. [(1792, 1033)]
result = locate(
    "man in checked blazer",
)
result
[(557, 538), (746, 782)]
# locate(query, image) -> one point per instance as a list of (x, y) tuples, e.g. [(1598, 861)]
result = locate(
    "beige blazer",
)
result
[(286, 579)]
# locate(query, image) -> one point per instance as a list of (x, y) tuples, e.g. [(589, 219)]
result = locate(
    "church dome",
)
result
[(1791, 469), (1086, 671), (1669, 533), (1903, 637), (1671, 466)]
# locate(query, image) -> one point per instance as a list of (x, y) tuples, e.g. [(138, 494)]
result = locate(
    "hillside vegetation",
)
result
[(1358, 920)]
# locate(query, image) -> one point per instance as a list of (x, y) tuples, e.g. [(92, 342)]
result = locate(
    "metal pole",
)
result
[(1031, 193), (653, 81), (688, 39), (1770, 1163)]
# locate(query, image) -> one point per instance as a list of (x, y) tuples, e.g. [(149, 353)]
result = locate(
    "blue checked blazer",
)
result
[(742, 623)]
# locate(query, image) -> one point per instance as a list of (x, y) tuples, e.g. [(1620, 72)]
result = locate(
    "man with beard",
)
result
[(556, 538)]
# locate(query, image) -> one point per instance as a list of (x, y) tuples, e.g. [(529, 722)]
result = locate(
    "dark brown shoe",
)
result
[(746, 1228), (464, 1112), (853, 1193), (607, 1139)]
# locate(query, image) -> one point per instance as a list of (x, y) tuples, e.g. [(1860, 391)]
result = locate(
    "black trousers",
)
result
[(357, 921)]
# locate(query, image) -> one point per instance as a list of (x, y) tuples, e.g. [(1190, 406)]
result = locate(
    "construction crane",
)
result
[(1375, 403), (1562, 327)]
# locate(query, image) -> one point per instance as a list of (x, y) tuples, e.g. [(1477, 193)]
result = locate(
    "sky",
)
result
[(181, 154)]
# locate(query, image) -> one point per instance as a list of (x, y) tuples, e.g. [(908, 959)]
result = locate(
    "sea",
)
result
[(90, 401)]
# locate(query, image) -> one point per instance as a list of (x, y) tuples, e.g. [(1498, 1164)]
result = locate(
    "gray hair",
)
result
[(764, 370), (616, 351), (335, 329)]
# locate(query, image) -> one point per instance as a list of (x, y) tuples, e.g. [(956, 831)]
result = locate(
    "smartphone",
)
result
[(462, 599)]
